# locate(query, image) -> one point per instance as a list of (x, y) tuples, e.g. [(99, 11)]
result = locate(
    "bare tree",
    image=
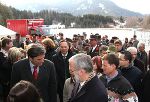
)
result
[(146, 22), (132, 22)]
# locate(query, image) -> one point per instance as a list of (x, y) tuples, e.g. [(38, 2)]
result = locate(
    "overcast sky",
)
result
[(141, 6)]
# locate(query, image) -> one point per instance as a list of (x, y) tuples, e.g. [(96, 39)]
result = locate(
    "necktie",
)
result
[(35, 73), (79, 88), (91, 49), (64, 57)]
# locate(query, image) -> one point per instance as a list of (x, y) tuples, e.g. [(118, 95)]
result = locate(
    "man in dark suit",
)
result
[(6, 44), (62, 66), (142, 54), (135, 61), (145, 87), (42, 76), (118, 45), (89, 88), (94, 51)]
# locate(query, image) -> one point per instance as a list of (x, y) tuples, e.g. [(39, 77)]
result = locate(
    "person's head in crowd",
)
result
[(103, 50), (75, 35), (97, 64), (61, 35), (82, 37), (24, 52), (81, 65), (27, 37), (34, 38), (73, 80), (26, 42), (87, 41), (79, 37), (93, 40), (79, 34), (43, 37), (40, 35), (133, 51), (8, 36), (98, 37), (2, 38), (118, 45), (125, 59), (106, 36), (36, 54), (126, 40), (64, 47), (131, 40), (24, 91), (141, 47), (86, 46), (39, 38), (74, 43), (111, 49), (17, 36), (103, 38), (115, 38), (134, 37), (85, 35), (48, 43), (69, 40), (51, 37), (111, 42), (6, 44), (130, 44), (14, 54), (75, 39), (110, 63)]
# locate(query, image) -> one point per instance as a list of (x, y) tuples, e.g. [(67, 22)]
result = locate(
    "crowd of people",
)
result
[(50, 69)]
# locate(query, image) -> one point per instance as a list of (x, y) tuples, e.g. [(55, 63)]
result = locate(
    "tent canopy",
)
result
[(5, 32)]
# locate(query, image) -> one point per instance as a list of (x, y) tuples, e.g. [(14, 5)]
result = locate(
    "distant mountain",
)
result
[(81, 7)]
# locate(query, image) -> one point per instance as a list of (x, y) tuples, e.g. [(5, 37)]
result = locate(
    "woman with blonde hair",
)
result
[(24, 53), (50, 48), (14, 54)]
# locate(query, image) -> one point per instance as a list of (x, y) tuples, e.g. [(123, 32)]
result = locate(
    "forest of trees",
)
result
[(51, 17), (85, 21)]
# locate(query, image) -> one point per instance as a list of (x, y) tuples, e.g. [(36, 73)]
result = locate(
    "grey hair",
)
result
[(140, 44), (132, 49), (82, 61)]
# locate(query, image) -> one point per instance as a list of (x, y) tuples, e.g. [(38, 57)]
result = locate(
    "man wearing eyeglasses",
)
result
[(130, 72)]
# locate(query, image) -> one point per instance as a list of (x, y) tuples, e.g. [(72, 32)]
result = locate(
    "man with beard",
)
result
[(89, 88)]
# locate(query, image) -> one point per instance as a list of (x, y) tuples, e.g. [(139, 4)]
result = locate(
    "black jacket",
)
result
[(95, 52), (92, 91), (49, 53), (119, 85), (46, 81), (134, 76), (62, 70), (146, 88)]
